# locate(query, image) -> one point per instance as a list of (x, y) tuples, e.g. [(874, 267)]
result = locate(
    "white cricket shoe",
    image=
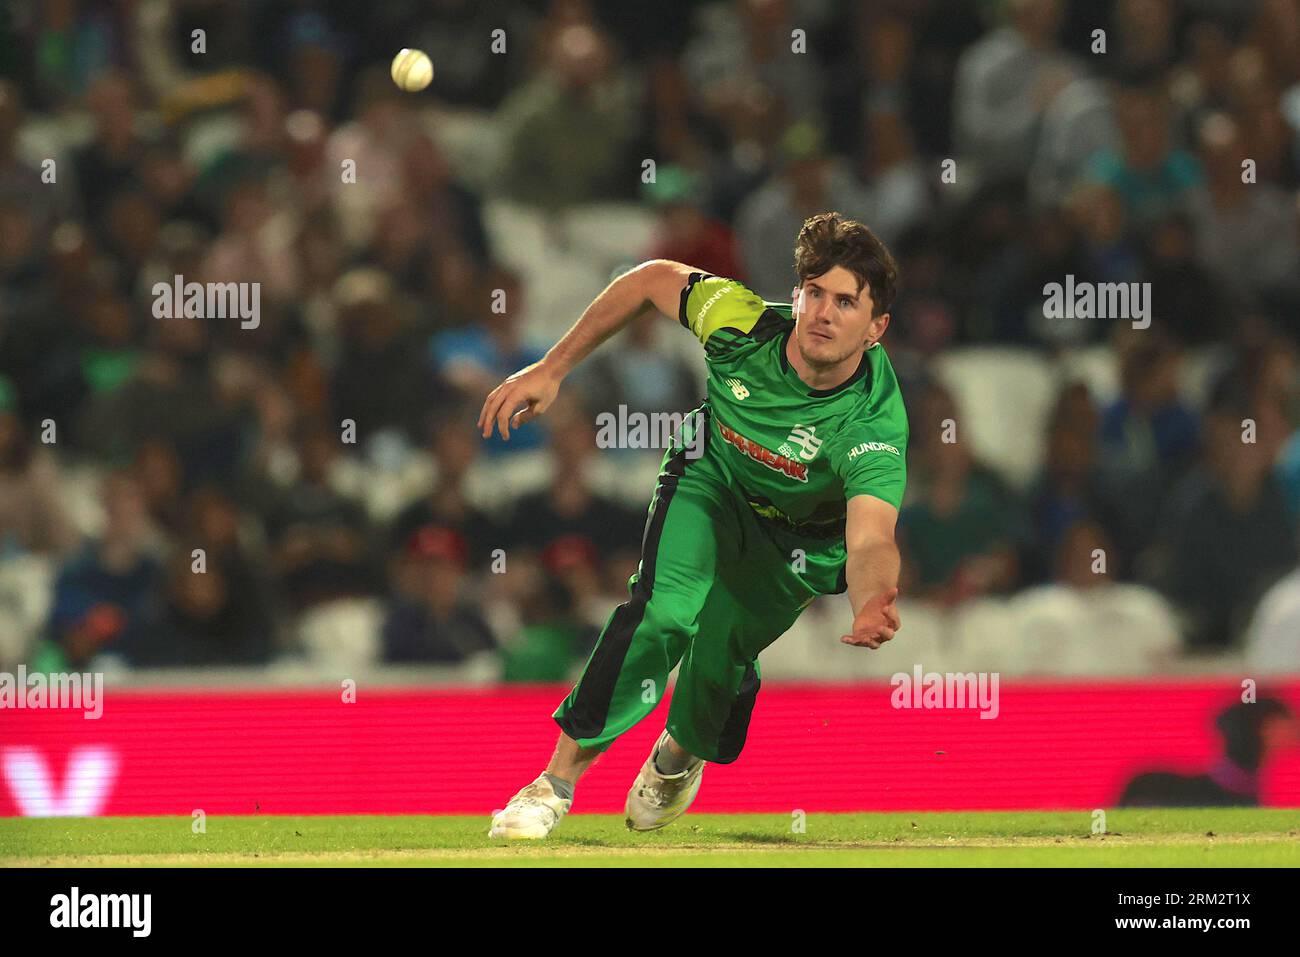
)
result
[(532, 813), (656, 800)]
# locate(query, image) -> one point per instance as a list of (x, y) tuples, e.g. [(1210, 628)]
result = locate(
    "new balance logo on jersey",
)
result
[(737, 388), (871, 447), (809, 444)]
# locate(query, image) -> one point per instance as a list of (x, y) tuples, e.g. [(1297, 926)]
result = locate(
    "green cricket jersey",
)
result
[(794, 453)]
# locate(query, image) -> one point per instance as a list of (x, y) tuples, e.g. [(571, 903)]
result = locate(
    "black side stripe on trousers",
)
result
[(731, 740), (586, 719)]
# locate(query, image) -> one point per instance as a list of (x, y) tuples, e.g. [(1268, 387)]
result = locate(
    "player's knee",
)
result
[(674, 625)]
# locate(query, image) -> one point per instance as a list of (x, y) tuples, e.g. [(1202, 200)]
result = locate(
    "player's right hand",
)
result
[(876, 622), (522, 397)]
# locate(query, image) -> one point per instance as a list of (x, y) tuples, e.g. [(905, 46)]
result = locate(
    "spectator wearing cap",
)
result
[(431, 620), (574, 561)]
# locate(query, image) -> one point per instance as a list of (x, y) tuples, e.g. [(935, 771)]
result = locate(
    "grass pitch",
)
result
[(1238, 837)]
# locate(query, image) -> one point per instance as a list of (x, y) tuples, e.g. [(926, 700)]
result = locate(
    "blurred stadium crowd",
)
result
[(1100, 511)]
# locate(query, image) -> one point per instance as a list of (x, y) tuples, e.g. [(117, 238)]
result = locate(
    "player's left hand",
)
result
[(876, 622)]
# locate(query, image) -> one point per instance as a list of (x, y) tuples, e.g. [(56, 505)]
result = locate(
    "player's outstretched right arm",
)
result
[(528, 393)]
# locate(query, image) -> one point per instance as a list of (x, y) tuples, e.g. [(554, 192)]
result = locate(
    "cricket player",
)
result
[(794, 494)]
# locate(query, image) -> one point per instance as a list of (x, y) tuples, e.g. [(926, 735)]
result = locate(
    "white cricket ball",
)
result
[(412, 70)]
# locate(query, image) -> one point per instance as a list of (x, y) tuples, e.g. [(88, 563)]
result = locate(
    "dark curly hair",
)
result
[(828, 240)]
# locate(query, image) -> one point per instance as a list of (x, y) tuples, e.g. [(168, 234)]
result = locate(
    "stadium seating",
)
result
[(1004, 396)]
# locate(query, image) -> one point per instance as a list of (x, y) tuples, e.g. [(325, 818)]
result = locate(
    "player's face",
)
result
[(833, 318)]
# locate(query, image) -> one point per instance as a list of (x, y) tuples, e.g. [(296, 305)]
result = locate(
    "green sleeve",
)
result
[(874, 467), (725, 314)]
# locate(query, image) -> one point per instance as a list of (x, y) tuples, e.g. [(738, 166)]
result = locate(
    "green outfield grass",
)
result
[(1239, 837)]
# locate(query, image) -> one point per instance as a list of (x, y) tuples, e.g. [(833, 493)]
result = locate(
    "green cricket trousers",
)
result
[(711, 592)]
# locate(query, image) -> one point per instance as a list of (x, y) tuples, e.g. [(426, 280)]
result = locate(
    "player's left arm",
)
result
[(872, 570)]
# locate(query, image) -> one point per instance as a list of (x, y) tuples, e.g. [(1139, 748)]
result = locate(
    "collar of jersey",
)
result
[(793, 377)]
